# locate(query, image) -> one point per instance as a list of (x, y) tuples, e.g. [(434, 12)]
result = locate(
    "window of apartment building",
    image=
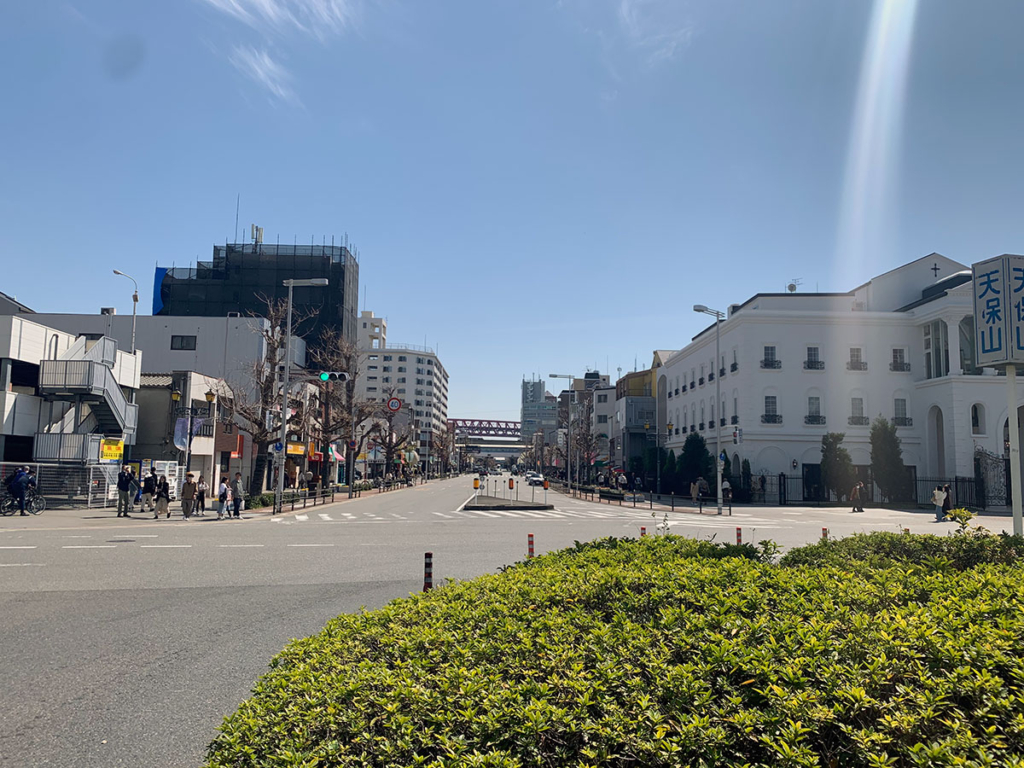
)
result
[(771, 405), (364, 325), (429, 361), (602, 419), (419, 361), (899, 408), (401, 379), (419, 391), (602, 398), (899, 356), (735, 407), (857, 407), (368, 389), (857, 359), (702, 413), (402, 359), (387, 358), (418, 402), (183, 342), (977, 419), (401, 390), (693, 416), (371, 367), (401, 368), (371, 378), (693, 376), (420, 371), (813, 355), (769, 354), (373, 357), (386, 379), (420, 381), (387, 369), (814, 406), (712, 413)]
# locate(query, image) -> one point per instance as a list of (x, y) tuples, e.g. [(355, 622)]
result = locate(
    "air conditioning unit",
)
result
[(234, 314)]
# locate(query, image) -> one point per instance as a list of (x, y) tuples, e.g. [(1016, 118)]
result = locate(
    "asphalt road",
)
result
[(127, 642)]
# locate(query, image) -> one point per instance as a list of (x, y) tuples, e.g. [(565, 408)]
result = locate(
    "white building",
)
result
[(61, 394), (795, 366), (412, 373), (602, 421)]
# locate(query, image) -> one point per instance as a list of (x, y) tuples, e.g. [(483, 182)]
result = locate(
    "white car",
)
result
[(535, 479)]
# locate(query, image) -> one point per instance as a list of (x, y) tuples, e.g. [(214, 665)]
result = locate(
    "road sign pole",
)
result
[(1015, 489)]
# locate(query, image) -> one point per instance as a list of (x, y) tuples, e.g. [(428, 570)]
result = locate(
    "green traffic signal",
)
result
[(325, 376), (333, 376)]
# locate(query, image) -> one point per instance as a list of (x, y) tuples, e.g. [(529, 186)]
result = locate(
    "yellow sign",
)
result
[(111, 450), (296, 449)]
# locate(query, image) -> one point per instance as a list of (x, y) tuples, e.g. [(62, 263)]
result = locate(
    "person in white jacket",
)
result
[(938, 499)]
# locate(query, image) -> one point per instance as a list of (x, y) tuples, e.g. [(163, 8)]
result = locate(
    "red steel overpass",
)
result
[(484, 428)]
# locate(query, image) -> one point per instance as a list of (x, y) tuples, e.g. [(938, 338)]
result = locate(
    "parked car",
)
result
[(535, 479)]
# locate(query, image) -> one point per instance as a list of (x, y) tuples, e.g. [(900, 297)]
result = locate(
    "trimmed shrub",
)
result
[(656, 652)]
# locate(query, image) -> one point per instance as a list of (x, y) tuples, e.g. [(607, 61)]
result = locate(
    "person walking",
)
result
[(189, 490), (202, 489), (149, 493), (237, 494), (855, 494), (939, 500), (163, 497), (947, 503), (124, 490), (222, 497), (694, 491)]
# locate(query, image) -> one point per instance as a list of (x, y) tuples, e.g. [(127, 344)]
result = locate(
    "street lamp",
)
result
[(135, 303), (190, 412), (657, 449), (290, 284), (568, 431), (718, 315)]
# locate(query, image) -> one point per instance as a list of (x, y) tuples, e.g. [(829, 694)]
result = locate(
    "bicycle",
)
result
[(34, 503)]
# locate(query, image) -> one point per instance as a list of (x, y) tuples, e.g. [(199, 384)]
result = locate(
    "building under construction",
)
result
[(239, 276)]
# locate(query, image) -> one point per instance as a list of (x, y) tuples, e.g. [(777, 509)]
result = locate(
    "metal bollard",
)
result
[(529, 545), (824, 534), (739, 535), (428, 571)]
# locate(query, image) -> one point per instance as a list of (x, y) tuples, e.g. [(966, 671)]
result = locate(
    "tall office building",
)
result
[(538, 412), (240, 274)]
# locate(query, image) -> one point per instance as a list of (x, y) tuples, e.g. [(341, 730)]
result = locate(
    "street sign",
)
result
[(352, 444), (394, 404), (998, 291), (278, 447)]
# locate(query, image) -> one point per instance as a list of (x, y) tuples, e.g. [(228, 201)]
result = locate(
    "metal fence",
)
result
[(71, 486)]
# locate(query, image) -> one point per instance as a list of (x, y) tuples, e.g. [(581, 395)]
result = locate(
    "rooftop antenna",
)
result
[(793, 284), (238, 202)]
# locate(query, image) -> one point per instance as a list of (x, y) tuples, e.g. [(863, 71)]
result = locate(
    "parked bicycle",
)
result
[(34, 503)]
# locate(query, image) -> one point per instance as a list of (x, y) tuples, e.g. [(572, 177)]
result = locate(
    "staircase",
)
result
[(84, 374)]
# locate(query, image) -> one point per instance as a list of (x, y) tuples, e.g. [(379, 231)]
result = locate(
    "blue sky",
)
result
[(533, 186)]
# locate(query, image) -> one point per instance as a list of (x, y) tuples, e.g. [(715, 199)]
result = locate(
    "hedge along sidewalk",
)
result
[(657, 652)]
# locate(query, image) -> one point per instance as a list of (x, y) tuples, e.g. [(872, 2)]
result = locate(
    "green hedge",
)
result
[(658, 652)]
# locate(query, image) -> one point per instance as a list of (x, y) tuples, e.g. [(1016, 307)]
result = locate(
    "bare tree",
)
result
[(391, 430), (257, 408), (342, 411)]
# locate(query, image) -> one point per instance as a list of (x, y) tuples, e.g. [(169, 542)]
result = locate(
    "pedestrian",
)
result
[(203, 489), (124, 489), (163, 497), (135, 491), (149, 492), (939, 500), (189, 489), (18, 487), (855, 497), (222, 497), (237, 494), (694, 490), (703, 488), (726, 491), (947, 503)]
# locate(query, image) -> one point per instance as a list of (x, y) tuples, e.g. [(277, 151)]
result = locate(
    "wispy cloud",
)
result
[(660, 28), (257, 65), (320, 18)]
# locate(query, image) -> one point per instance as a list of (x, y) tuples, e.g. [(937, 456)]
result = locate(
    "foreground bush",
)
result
[(657, 652)]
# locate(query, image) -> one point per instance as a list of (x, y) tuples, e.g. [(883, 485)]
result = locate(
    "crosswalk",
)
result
[(559, 513)]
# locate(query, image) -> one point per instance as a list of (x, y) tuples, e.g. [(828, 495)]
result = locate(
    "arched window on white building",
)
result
[(977, 419)]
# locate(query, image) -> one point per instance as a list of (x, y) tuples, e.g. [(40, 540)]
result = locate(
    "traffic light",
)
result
[(333, 376)]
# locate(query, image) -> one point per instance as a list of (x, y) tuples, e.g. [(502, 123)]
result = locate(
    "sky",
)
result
[(533, 187)]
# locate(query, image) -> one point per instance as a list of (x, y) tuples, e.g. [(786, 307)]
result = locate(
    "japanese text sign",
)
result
[(999, 310)]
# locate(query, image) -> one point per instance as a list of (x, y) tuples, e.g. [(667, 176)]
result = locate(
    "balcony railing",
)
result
[(856, 365), (771, 418), (702, 426), (903, 421), (701, 381), (722, 421), (711, 376), (206, 430), (721, 371), (857, 421), (66, 447), (899, 367), (814, 365), (734, 420), (684, 387), (670, 393), (771, 364), (814, 419)]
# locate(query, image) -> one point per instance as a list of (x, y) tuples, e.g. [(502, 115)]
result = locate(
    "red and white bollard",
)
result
[(824, 534), (428, 571), (739, 535), (529, 545), (643, 530)]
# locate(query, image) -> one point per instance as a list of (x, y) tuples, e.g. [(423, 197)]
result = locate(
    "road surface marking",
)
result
[(442, 514), (302, 517), (145, 535), (165, 546), (239, 545), (325, 516), (89, 546), (18, 565), (308, 545), (76, 537), (25, 547)]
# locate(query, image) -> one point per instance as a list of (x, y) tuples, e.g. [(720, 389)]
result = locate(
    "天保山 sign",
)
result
[(999, 311)]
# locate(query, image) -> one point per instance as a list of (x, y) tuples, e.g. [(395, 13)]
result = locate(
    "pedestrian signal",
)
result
[(333, 376)]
